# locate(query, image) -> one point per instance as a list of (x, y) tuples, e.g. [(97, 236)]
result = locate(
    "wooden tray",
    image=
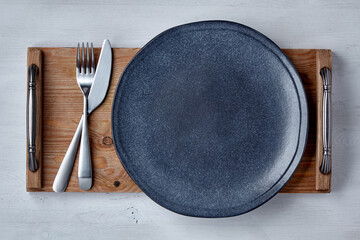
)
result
[(61, 103)]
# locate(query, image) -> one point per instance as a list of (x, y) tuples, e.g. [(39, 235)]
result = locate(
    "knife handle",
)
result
[(325, 167), (63, 175), (31, 118)]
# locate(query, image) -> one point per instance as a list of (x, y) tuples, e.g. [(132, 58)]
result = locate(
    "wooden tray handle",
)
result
[(323, 178), (34, 120)]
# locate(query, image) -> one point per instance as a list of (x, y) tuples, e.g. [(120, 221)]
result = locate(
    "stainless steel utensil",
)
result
[(96, 96), (85, 79), (325, 167)]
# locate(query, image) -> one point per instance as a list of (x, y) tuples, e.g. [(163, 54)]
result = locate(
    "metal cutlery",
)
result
[(96, 96), (85, 79)]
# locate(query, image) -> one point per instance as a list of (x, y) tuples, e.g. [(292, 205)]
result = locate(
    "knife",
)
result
[(96, 96)]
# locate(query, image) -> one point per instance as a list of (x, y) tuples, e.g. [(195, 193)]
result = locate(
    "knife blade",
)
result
[(102, 77), (96, 96)]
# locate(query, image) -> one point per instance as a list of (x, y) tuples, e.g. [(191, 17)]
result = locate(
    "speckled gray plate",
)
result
[(210, 119)]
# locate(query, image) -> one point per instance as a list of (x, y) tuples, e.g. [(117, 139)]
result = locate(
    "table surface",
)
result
[(301, 24)]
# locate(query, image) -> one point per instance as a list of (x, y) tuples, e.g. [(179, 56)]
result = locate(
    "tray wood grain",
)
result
[(62, 108)]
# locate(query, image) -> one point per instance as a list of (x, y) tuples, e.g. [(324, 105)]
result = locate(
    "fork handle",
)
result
[(63, 175), (85, 170)]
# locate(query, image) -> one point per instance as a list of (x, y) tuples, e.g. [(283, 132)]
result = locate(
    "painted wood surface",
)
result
[(327, 24)]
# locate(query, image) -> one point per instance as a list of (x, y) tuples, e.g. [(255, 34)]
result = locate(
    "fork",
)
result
[(85, 79)]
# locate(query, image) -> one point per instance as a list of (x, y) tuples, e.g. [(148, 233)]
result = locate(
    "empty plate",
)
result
[(210, 119)]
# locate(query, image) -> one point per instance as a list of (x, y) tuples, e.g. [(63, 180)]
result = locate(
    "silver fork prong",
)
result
[(83, 59), (92, 59), (87, 59), (78, 59)]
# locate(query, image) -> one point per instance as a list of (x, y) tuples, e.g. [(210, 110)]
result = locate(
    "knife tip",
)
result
[(106, 41)]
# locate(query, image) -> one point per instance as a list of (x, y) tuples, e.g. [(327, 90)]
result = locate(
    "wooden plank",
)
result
[(324, 59), (303, 180), (34, 179), (62, 107)]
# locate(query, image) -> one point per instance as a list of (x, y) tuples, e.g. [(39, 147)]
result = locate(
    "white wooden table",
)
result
[(304, 24)]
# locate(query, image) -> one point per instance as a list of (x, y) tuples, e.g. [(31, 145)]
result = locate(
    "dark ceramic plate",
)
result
[(210, 119)]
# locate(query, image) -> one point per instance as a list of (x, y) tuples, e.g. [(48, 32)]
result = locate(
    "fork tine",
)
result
[(83, 59), (87, 59), (92, 59), (78, 59)]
